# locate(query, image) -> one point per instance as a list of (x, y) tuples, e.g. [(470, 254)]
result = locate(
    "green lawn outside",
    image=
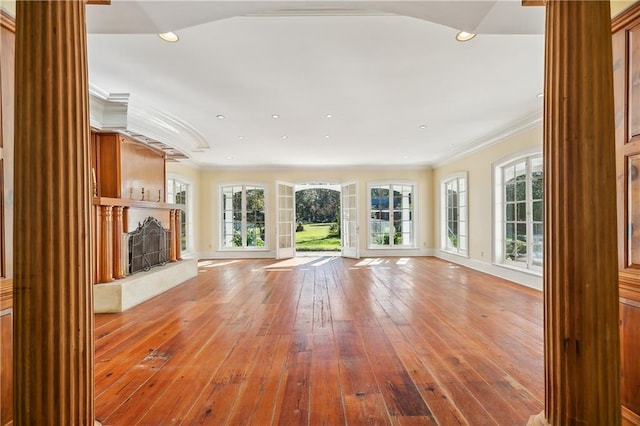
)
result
[(315, 237)]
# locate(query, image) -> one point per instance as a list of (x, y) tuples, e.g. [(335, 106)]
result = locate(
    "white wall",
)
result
[(208, 210), (480, 198)]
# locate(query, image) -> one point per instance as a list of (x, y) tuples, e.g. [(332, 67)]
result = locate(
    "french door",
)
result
[(285, 229), (349, 215)]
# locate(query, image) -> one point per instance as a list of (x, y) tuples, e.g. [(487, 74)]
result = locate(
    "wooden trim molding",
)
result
[(526, 3), (7, 21), (625, 18), (630, 416)]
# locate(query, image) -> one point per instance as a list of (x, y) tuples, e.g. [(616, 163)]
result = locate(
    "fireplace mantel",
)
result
[(114, 217)]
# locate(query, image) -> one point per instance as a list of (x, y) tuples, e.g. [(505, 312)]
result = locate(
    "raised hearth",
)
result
[(120, 295)]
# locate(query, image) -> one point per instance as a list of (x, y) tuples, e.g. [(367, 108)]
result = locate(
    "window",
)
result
[(519, 213), (454, 214), (178, 193), (391, 215), (243, 217)]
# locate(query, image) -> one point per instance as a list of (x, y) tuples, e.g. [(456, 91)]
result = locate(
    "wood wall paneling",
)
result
[(109, 165), (634, 82), (626, 68), (142, 168)]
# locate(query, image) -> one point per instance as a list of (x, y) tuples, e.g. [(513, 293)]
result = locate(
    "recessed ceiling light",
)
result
[(229, 158), (423, 126), (240, 137), (326, 136), (540, 95), (406, 157), (450, 145), (283, 136), (170, 37), (329, 115), (220, 116), (275, 116), (464, 36)]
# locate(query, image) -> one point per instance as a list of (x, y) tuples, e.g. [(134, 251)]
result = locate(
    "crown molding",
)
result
[(7, 20), (114, 112), (528, 122)]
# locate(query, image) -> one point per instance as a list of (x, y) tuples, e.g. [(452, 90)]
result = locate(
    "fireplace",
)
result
[(147, 246)]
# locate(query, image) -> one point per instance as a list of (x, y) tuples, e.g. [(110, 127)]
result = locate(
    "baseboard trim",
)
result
[(522, 278)]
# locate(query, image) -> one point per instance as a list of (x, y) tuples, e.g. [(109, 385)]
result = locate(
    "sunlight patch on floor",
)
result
[(372, 262), (324, 260), (215, 264), (289, 263)]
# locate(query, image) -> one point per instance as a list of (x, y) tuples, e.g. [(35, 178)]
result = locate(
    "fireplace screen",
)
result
[(148, 246)]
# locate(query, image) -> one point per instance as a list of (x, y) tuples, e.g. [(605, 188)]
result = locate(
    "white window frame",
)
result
[(414, 216), (221, 207), (188, 206), (463, 218), (499, 222)]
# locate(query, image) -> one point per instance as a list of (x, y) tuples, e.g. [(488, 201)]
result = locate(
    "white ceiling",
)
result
[(381, 68)]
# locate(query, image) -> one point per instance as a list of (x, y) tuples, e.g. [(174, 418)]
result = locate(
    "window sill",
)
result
[(392, 248), (240, 249), (523, 270), (455, 253)]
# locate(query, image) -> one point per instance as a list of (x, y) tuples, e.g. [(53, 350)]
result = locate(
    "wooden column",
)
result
[(582, 353), (53, 327), (105, 255), (118, 269), (178, 240), (174, 235)]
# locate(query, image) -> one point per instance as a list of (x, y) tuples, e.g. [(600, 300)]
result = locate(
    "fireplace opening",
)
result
[(148, 246)]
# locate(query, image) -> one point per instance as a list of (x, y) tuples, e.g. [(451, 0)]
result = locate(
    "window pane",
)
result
[(510, 231), (510, 190), (538, 212), (462, 243), (521, 191), (509, 174), (511, 215), (462, 213), (537, 244), (521, 232), (522, 212), (537, 189)]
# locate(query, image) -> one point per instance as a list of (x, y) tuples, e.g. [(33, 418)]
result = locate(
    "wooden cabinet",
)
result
[(127, 169), (626, 69)]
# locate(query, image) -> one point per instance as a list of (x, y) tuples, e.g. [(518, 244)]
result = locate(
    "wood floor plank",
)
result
[(326, 407), (256, 404), (324, 341)]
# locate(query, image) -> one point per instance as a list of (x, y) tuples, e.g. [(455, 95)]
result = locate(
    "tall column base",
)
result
[(538, 420)]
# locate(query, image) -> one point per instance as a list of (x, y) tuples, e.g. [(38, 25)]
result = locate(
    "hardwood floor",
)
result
[(325, 341)]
